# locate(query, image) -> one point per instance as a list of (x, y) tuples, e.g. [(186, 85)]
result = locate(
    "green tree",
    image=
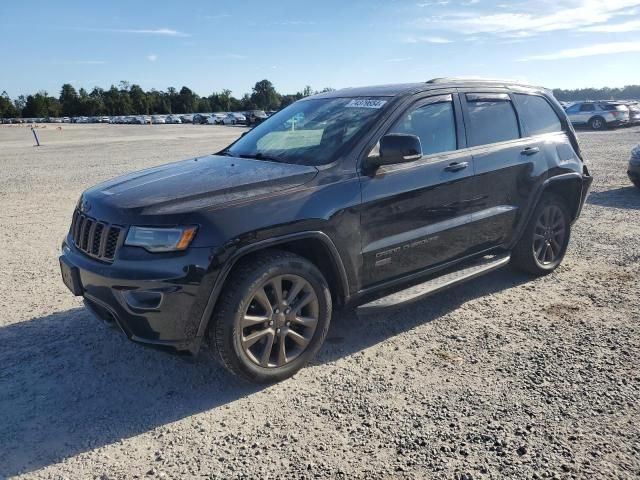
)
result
[(224, 98), (69, 100), (7, 108), (139, 100), (264, 95), (186, 101)]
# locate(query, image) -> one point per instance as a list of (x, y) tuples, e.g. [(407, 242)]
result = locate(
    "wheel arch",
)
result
[(567, 186), (312, 245)]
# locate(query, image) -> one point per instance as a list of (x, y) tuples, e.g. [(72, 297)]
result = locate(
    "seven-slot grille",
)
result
[(95, 238)]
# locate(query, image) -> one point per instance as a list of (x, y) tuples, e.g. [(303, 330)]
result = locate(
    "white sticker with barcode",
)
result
[(365, 103)]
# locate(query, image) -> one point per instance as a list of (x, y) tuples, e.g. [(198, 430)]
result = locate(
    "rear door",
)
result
[(504, 160), (414, 214)]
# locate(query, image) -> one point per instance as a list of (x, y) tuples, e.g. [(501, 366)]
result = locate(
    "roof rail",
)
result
[(472, 80)]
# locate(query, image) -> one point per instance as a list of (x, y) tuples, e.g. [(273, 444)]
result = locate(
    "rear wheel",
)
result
[(272, 316), (597, 123), (544, 242)]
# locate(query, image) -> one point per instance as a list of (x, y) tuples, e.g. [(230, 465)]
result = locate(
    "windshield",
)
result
[(309, 132)]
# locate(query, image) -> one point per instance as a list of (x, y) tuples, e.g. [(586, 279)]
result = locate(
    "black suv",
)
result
[(343, 198)]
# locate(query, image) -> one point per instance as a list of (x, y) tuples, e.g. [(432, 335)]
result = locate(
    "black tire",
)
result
[(229, 333), (597, 123), (541, 250)]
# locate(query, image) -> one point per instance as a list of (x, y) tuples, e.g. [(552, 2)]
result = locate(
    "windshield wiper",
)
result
[(261, 156)]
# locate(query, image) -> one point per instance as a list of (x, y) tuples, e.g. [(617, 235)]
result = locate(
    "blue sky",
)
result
[(211, 45)]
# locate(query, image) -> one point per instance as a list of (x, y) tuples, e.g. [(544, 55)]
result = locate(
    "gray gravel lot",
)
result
[(505, 377)]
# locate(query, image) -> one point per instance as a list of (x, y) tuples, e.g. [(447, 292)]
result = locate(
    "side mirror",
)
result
[(399, 148)]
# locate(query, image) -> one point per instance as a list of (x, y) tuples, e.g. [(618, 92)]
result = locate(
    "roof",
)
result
[(409, 88)]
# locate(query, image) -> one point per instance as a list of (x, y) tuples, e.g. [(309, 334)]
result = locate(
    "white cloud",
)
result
[(431, 4), (589, 51), (630, 26), (426, 39), (558, 15), (152, 58), (165, 32)]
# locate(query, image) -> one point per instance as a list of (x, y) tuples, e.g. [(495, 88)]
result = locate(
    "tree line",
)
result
[(131, 99), (630, 92)]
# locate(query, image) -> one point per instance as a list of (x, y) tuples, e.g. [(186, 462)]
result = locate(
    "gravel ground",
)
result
[(505, 377)]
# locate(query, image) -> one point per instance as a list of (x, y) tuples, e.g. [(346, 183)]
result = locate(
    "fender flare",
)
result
[(564, 177), (261, 245)]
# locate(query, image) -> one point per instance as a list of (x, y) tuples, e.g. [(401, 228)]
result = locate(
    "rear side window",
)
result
[(491, 119), (587, 107), (434, 123), (537, 115)]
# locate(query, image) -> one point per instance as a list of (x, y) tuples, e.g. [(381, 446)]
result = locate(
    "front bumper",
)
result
[(158, 301)]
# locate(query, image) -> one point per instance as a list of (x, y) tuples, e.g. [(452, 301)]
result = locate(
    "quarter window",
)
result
[(433, 123), (537, 115), (587, 107), (491, 121)]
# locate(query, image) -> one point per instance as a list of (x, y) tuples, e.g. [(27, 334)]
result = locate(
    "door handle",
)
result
[(530, 151), (456, 166)]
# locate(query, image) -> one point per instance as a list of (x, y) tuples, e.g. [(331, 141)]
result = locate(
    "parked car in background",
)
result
[(598, 115), (240, 118), (200, 118), (138, 120), (232, 119), (633, 170), (217, 118), (634, 113), (173, 119), (254, 117), (157, 119), (186, 118)]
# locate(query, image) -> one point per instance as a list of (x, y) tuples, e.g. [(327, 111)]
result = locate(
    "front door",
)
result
[(415, 215)]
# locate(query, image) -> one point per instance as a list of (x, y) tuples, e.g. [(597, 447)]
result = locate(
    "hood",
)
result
[(195, 184)]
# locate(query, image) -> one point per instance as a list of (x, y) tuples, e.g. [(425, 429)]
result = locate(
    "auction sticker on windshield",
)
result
[(365, 103)]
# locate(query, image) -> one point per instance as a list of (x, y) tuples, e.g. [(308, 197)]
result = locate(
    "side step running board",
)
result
[(417, 292)]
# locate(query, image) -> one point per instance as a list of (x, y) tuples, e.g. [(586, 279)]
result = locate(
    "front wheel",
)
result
[(544, 242), (597, 123), (272, 316)]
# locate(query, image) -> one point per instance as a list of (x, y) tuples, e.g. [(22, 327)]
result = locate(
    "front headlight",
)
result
[(157, 240)]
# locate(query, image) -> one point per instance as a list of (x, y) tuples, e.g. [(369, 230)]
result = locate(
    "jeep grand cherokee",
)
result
[(366, 196)]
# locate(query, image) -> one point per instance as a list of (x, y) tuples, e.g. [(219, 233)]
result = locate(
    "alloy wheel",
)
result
[(549, 235), (280, 321)]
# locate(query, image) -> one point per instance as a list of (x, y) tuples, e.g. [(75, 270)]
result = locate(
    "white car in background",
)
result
[(157, 119), (173, 119), (212, 120), (233, 119)]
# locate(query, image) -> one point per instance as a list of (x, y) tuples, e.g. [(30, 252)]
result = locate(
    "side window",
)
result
[(491, 120), (434, 123), (587, 107), (537, 115), (573, 109)]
